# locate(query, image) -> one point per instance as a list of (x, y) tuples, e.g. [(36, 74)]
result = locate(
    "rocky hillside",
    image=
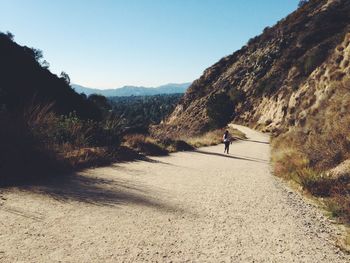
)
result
[(277, 79)]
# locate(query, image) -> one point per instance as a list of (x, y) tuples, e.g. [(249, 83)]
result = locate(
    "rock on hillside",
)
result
[(277, 79)]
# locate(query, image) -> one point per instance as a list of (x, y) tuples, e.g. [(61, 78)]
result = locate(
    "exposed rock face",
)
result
[(285, 74), (314, 96)]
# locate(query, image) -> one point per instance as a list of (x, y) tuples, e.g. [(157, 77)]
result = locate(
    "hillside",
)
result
[(134, 91), (46, 127), (26, 80), (293, 81), (277, 79)]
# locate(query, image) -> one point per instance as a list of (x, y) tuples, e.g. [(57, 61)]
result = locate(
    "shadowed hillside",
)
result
[(46, 127), (26, 79)]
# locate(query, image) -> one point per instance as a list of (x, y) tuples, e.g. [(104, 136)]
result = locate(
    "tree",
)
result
[(38, 54), (39, 57), (220, 109), (100, 101), (10, 35), (65, 77), (302, 3), (45, 64)]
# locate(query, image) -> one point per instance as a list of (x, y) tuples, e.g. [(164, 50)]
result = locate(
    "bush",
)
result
[(236, 96), (309, 157), (339, 206), (220, 110), (313, 60), (144, 144), (176, 145), (267, 86), (23, 156), (39, 142), (305, 159)]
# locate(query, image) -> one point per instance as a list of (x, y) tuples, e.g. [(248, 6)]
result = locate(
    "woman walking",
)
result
[(227, 140)]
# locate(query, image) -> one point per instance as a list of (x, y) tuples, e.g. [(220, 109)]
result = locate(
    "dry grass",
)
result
[(308, 155), (144, 144), (22, 156), (88, 157), (308, 165), (37, 143), (213, 137), (292, 162), (147, 145)]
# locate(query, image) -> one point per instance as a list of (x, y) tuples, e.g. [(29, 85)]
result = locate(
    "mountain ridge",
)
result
[(170, 88)]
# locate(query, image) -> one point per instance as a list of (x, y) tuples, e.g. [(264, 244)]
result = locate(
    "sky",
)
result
[(112, 43)]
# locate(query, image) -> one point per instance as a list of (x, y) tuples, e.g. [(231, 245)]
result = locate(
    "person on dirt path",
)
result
[(227, 140)]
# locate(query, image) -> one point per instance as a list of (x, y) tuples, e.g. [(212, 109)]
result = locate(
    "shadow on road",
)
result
[(97, 191), (247, 140), (244, 158)]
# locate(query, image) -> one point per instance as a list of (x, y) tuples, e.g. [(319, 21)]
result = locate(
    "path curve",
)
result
[(199, 206)]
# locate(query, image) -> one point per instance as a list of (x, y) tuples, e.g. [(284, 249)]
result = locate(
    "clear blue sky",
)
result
[(111, 43)]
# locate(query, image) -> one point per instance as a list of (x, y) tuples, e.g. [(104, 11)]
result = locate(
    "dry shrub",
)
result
[(207, 139), (87, 157), (327, 150), (23, 156), (340, 195), (306, 156), (151, 146), (37, 143), (291, 161), (212, 137), (328, 143), (176, 145), (144, 144), (339, 206)]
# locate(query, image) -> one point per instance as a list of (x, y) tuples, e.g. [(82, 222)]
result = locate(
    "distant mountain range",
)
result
[(133, 90)]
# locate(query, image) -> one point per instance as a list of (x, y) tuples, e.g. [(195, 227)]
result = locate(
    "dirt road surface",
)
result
[(200, 206)]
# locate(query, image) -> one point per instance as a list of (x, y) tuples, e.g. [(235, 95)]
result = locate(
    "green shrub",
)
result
[(220, 110), (236, 96), (267, 86), (313, 60)]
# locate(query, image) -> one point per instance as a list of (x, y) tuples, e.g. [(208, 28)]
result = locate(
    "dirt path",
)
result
[(189, 207)]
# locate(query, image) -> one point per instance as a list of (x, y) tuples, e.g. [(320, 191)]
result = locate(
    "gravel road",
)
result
[(200, 206)]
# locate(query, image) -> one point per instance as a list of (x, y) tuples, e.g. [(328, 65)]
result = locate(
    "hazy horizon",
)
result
[(113, 44), (138, 86)]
